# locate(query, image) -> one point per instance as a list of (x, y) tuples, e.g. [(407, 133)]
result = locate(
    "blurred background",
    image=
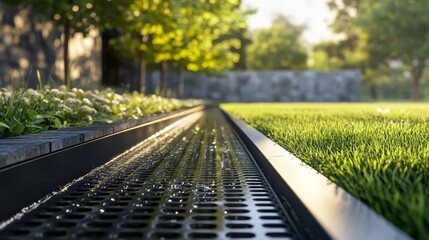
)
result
[(228, 50)]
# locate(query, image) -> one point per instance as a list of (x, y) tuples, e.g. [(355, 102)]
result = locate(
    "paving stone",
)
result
[(16, 151), (57, 139), (92, 132)]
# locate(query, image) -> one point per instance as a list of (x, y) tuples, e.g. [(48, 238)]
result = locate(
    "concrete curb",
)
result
[(15, 150)]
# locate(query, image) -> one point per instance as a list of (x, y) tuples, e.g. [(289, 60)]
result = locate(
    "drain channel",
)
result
[(193, 183)]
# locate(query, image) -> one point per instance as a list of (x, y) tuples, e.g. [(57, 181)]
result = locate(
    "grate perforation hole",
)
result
[(240, 235), (54, 233), (202, 235), (133, 225), (274, 225), (98, 224), (204, 218), (165, 235), (65, 224), (19, 232), (279, 234), (237, 218), (168, 225), (32, 224), (128, 235), (235, 205), (203, 226), (203, 210), (238, 225)]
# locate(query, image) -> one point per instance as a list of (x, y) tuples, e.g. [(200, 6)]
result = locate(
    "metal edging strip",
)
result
[(25, 183), (325, 210)]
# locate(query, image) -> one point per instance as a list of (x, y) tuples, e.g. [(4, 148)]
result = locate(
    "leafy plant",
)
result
[(25, 111)]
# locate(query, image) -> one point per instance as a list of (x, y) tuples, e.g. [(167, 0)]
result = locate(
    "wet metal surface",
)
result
[(193, 181)]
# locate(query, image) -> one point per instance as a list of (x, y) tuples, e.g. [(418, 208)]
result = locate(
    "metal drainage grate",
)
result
[(198, 183)]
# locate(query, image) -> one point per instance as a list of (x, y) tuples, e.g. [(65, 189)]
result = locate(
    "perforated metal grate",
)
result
[(198, 183)]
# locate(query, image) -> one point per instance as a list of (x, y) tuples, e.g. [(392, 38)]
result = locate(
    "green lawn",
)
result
[(378, 152)]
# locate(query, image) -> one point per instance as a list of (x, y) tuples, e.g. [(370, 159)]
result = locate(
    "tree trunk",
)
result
[(110, 63), (373, 91), (417, 75), (66, 52), (415, 89), (180, 83), (142, 76), (163, 89)]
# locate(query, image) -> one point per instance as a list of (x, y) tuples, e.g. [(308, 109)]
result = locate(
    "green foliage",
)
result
[(27, 111), (278, 47), (399, 30), (81, 15), (377, 152), (191, 33), (377, 33)]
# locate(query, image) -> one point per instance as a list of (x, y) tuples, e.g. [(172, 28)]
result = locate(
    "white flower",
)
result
[(87, 102), (87, 109), (56, 100), (118, 97), (55, 92), (126, 100), (64, 108), (71, 101), (71, 94), (36, 95), (106, 108), (7, 95), (139, 111), (383, 110), (26, 101), (96, 98), (62, 87)]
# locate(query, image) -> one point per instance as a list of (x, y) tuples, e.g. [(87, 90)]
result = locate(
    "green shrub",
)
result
[(25, 111)]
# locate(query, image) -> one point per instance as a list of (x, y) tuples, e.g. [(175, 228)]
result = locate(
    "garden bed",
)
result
[(377, 152), (25, 111), (72, 116)]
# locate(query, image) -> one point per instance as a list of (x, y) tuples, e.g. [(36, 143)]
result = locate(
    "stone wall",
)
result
[(278, 86), (28, 43)]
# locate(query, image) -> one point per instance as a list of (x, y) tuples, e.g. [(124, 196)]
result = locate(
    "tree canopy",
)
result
[(399, 30), (194, 34), (278, 47), (374, 35)]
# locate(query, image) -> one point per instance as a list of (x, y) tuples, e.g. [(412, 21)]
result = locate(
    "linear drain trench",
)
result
[(195, 181)]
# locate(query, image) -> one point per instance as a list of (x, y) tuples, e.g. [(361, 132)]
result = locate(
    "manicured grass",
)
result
[(378, 152), (25, 111)]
